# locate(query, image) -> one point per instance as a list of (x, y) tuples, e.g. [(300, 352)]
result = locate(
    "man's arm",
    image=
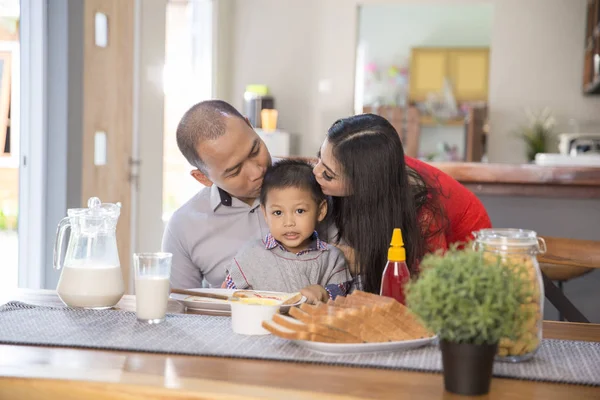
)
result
[(184, 273)]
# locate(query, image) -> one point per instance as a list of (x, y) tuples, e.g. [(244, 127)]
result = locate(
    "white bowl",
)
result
[(246, 319)]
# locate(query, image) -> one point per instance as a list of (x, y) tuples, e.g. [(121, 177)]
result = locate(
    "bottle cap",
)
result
[(396, 251)]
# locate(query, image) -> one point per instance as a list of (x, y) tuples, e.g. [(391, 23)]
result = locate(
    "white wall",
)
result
[(147, 226), (273, 43), (389, 31), (537, 60)]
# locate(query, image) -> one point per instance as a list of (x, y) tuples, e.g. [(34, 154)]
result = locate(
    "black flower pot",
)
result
[(467, 367)]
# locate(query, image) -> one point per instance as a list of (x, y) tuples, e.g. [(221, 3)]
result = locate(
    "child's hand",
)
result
[(315, 294)]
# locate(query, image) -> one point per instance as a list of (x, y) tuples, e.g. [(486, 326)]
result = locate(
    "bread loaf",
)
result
[(357, 318)]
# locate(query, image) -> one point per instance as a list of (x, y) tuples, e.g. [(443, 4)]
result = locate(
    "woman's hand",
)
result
[(315, 294), (349, 256)]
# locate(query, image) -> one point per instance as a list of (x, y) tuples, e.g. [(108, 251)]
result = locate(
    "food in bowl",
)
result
[(259, 301), (288, 298)]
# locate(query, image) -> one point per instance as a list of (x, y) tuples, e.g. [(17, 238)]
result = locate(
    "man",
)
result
[(230, 160)]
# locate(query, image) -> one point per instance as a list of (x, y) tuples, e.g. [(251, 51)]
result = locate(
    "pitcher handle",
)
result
[(58, 244)]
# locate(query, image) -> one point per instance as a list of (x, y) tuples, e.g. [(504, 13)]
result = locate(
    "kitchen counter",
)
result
[(525, 179)]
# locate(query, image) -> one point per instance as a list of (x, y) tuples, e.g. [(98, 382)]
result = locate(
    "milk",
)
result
[(152, 296), (90, 286)]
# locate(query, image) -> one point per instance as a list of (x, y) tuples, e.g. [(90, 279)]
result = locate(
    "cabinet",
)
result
[(467, 70), (591, 69)]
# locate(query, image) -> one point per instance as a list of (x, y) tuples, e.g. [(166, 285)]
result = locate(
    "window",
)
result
[(188, 77)]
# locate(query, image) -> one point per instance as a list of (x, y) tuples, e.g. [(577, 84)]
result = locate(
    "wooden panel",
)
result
[(428, 68), (108, 107), (468, 71)]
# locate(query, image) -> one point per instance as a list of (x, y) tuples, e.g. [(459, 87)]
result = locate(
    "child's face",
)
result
[(292, 215)]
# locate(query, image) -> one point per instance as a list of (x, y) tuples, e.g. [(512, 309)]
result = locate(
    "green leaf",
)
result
[(465, 298)]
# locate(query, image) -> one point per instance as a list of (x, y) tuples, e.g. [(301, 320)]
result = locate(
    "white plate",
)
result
[(355, 348), (206, 304)]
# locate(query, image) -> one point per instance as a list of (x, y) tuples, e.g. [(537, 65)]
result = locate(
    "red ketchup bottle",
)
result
[(395, 274)]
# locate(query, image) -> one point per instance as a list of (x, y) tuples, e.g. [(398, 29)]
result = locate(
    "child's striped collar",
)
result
[(316, 244)]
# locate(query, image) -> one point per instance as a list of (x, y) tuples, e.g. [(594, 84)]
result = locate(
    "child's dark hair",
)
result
[(291, 173)]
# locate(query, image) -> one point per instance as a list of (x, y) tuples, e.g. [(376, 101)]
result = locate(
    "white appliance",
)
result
[(556, 159), (575, 149), (277, 142), (575, 144)]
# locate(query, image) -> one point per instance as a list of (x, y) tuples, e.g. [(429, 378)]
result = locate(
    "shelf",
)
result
[(429, 121)]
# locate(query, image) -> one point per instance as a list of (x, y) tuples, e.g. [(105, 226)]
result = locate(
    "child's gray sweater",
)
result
[(258, 268)]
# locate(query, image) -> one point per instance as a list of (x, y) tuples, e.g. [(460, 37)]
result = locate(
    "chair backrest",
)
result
[(571, 252), (406, 121)]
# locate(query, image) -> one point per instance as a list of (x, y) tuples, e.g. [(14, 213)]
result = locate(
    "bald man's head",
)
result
[(206, 120)]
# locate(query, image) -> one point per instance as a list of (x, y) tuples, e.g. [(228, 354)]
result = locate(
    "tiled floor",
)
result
[(9, 254)]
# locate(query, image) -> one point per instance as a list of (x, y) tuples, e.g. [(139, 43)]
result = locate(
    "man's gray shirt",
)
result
[(206, 233)]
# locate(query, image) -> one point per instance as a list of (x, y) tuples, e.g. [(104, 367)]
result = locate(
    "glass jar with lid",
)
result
[(519, 247)]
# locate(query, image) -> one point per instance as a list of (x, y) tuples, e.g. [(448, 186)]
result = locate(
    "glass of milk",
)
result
[(152, 271)]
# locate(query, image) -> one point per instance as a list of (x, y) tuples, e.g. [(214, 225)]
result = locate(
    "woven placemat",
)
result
[(556, 360)]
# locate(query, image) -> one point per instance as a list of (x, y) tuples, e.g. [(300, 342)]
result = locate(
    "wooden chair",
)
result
[(564, 260), (409, 121), (476, 120), (406, 122)]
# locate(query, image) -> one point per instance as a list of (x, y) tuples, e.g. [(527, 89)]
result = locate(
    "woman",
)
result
[(375, 189)]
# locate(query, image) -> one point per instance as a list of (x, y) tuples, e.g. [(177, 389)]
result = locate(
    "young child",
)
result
[(291, 257)]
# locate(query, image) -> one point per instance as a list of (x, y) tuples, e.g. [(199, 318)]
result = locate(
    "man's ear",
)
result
[(322, 211), (200, 177)]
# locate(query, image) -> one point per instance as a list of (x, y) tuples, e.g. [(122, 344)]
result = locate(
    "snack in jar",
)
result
[(518, 248)]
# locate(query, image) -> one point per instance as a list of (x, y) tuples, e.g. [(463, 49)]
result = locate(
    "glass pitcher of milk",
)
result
[(91, 273)]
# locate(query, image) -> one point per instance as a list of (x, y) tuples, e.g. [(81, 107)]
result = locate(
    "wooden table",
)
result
[(28, 372)]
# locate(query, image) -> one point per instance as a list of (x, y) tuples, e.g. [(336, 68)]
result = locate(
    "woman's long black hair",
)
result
[(385, 194)]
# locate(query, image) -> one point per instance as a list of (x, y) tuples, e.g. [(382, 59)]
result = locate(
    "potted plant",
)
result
[(537, 133), (470, 301)]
